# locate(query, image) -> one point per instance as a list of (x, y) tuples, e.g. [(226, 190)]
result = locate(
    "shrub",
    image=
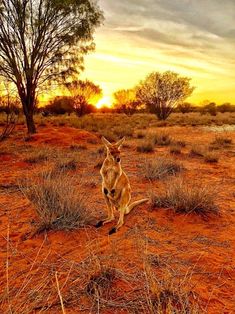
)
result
[(140, 134), (161, 138), (59, 105), (160, 167), (197, 151), (187, 197), (211, 157), (221, 142), (145, 147), (175, 149), (58, 202), (180, 143)]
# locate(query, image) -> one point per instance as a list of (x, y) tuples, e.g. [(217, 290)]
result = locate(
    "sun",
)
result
[(104, 102)]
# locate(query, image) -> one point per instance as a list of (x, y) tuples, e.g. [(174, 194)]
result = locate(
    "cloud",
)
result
[(193, 37)]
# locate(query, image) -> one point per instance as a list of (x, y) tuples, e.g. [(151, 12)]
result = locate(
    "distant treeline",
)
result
[(65, 105)]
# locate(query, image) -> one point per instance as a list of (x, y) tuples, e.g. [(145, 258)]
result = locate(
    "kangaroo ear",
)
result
[(120, 143), (105, 142)]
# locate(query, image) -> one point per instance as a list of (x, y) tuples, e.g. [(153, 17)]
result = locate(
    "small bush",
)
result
[(187, 197), (122, 131), (197, 151), (140, 134), (175, 149), (211, 157), (160, 167), (145, 147), (58, 202), (180, 143), (161, 138), (221, 142)]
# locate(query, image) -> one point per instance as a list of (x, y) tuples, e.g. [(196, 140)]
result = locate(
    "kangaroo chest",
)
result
[(110, 176)]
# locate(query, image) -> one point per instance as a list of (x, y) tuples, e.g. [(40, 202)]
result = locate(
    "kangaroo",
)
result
[(115, 186)]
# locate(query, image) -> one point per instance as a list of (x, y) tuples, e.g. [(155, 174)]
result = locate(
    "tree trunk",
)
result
[(28, 103), (30, 123)]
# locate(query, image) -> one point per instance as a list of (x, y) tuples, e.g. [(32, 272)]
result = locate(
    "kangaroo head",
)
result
[(113, 150)]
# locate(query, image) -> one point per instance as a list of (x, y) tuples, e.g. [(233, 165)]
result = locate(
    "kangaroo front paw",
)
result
[(99, 224), (113, 230)]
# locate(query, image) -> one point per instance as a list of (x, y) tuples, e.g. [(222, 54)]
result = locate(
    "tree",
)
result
[(162, 92), (125, 101), (185, 107), (9, 105), (226, 107), (209, 107), (43, 40), (59, 105), (83, 93)]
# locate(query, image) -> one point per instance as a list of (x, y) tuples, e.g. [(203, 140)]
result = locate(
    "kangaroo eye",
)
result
[(113, 191), (118, 159)]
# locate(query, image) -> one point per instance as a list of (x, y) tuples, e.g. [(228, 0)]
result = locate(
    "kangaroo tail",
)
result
[(136, 203)]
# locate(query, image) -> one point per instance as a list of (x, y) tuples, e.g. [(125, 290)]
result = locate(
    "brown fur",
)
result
[(115, 185)]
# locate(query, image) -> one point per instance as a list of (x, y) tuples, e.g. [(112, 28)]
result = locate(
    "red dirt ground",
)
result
[(192, 247)]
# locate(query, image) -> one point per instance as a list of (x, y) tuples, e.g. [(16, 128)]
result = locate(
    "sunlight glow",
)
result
[(106, 101)]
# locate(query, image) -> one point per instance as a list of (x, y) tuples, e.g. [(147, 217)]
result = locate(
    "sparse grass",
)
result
[(37, 156), (221, 142), (187, 197), (95, 284), (180, 143), (197, 151), (145, 146), (205, 152), (77, 148), (100, 284), (147, 293), (162, 138), (160, 167), (211, 157), (58, 202), (140, 134), (66, 164), (175, 149)]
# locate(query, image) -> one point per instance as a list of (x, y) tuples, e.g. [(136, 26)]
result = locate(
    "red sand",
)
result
[(203, 248)]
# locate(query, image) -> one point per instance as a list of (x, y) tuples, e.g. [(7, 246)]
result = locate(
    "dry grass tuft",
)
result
[(205, 152), (59, 203), (197, 151), (166, 295), (65, 165), (187, 197), (175, 149), (146, 146), (221, 142), (180, 143), (161, 138), (140, 134), (211, 157), (41, 154), (160, 167), (100, 284), (77, 148)]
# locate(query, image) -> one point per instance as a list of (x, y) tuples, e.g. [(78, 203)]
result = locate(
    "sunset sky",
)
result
[(195, 38)]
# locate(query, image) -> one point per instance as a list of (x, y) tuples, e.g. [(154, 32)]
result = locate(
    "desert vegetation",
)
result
[(50, 191), (172, 255), (187, 197)]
